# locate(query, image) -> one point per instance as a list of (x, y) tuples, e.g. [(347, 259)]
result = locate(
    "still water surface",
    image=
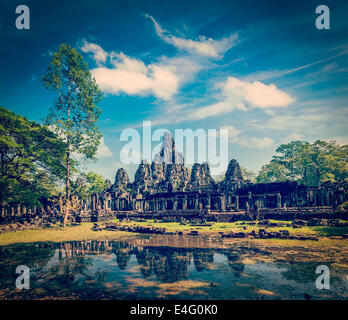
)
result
[(160, 267)]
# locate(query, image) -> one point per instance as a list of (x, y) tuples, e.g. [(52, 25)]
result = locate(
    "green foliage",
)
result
[(75, 111), (31, 160), (291, 157), (272, 172), (248, 174), (309, 163), (88, 184)]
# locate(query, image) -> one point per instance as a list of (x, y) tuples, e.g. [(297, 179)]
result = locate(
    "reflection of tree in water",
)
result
[(123, 252), (145, 261), (52, 266), (202, 259), (172, 266), (64, 272), (122, 258), (237, 267), (35, 257), (303, 272)]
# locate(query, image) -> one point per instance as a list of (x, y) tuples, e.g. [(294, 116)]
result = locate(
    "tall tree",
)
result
[(75, 112)]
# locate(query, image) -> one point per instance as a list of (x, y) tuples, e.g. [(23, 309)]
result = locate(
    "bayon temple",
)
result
[(167, 187)]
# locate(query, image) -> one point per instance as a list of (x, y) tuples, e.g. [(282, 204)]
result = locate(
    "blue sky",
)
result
[(259, 68)]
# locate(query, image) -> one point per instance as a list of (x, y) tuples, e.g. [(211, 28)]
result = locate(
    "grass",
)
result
[(84, 232), (237, 226), (58, 234), (330, 231)]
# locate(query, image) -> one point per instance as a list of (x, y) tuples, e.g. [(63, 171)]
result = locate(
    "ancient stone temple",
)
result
[(167, 187)]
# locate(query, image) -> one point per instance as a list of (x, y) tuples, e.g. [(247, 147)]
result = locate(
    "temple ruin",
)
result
[(167, 187)]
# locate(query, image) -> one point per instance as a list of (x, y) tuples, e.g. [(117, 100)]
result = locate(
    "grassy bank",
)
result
[(84, 232), (58, 234), (243, 226)]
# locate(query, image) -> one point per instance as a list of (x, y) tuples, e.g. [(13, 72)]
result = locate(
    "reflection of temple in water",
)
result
[(202, 259), (166, 263)]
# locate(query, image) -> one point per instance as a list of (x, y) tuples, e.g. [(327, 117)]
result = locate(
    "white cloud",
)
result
[(210, 111), (256, 94), (235, 95), (203, 46), (156, 79), (259, 143), (293, 137), (341, 140), (234, 136), (98, 53), (103, 150), (179, 113), (304, 121), (233, 133), (132, 76), (184, 67), (307, 121)]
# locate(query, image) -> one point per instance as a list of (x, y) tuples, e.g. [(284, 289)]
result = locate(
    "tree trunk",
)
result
[(318, 176), (67, 187)]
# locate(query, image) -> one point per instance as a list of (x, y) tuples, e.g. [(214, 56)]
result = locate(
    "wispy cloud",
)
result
[(321, 121), (98, 52), (202, 46), (48, 53), (265, 75), (235, 136), (293, 137), (234, 95)]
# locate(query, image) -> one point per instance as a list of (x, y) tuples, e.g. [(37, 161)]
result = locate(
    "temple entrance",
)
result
[(214, 204), (190, 204), (169, 205)]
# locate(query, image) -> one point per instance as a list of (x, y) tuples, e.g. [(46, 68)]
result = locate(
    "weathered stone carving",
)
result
[(233, 176), (142, 178), (200, 175), (168, 153), (121, 180)]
